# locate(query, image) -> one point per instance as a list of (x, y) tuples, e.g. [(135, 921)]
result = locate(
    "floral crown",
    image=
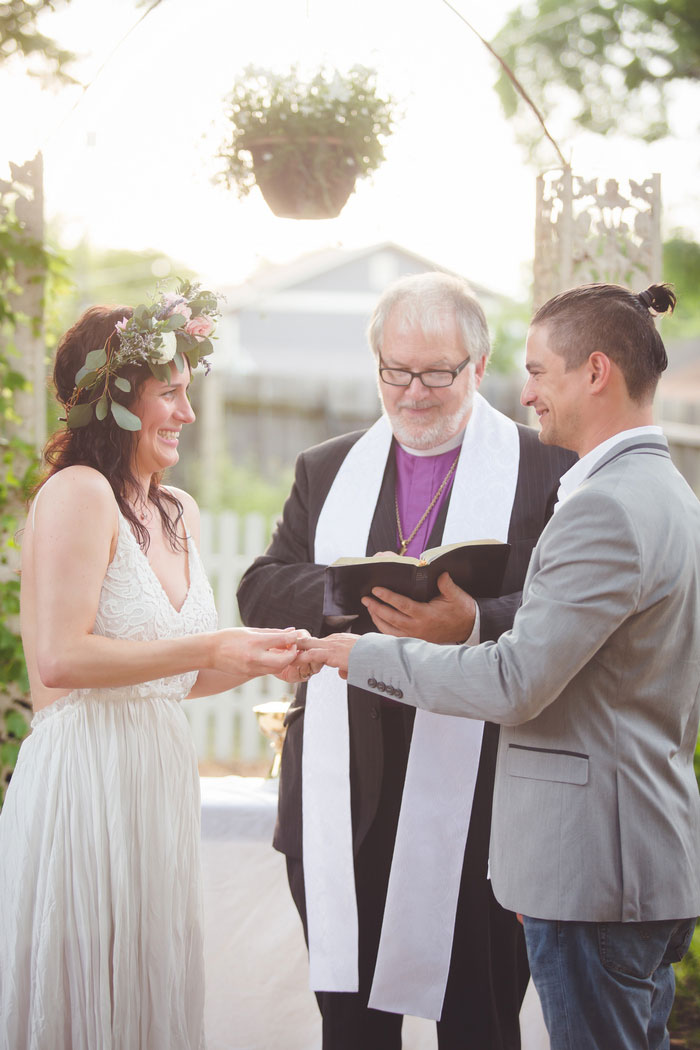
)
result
[(178, 326)]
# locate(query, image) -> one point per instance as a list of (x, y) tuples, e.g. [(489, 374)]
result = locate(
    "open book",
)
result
[(476, 567)]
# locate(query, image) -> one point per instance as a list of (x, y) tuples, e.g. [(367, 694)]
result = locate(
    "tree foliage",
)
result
[(605, 65), (111, 275), (682, 269), (20, 38)]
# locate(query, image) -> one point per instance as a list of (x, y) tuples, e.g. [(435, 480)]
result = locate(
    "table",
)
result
[(258, 996)]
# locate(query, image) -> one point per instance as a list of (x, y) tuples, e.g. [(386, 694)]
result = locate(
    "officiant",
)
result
[(364, 785)]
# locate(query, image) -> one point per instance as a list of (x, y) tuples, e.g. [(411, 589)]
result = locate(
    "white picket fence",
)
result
[(224, 727)]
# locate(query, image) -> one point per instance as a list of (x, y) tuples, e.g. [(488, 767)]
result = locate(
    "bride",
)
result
[(100, 929)]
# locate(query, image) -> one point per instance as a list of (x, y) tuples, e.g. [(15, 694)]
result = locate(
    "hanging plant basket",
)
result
[(303, 180), (304, 141)]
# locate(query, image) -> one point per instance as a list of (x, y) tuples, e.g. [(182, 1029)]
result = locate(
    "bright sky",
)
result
[(131, 166)]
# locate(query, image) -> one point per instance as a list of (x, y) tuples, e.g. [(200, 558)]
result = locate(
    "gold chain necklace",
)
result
[(436, 497)]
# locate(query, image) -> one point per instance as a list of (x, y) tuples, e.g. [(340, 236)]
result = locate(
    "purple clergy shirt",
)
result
[(417, 480)]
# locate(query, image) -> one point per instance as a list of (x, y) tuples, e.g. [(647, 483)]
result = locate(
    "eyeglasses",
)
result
[(436, 376)]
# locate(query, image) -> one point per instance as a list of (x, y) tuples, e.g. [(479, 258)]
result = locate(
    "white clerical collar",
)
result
[(446, 446), (570, 481)]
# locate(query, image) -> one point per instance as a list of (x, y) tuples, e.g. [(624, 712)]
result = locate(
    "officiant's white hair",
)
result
[(427, 301)]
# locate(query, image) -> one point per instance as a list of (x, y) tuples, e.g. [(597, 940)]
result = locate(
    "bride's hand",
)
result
[(253, 651)]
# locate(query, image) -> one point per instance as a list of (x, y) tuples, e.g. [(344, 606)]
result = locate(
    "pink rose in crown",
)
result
[(174, 304), (200, 327)]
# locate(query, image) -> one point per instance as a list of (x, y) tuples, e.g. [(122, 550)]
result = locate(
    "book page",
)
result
[(383, 557), (435, 552)]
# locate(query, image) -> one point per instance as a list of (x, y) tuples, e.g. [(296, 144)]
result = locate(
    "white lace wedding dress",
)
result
[(100, 926)]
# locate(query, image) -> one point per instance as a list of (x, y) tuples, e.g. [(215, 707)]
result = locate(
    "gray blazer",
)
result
[(596, 809)]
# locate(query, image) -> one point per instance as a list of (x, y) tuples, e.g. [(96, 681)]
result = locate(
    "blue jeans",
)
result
[(606, 984)]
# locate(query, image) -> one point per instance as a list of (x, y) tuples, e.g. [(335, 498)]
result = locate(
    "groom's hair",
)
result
[(618, 323), (428, 302)]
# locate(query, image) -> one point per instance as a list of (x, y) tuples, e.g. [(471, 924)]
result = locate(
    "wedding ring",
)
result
[(305, 677)]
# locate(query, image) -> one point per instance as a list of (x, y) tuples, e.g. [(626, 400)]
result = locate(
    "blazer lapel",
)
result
[(435, 538), (382, 531)]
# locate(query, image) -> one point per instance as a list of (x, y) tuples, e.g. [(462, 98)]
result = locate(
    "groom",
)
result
[(596, 825), (440, 466)]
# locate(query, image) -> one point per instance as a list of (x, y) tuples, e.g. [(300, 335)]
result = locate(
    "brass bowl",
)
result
[(270, 718)]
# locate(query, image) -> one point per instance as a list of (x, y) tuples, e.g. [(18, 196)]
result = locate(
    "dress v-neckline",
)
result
[(154, 574)]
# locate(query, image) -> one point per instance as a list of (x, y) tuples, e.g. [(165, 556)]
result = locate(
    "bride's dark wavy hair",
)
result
[(104, 445)]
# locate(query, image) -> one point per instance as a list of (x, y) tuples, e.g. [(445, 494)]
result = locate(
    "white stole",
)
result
[(416, 941)]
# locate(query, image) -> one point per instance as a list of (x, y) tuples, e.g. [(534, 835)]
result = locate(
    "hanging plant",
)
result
[(304, 142)]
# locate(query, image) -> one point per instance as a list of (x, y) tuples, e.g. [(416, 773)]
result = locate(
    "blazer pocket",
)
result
[(542, 763)]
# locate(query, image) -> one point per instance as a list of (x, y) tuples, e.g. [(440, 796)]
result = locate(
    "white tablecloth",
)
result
[(258, 996)]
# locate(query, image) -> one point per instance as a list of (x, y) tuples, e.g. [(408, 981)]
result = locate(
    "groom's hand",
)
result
[(333, 650), (447, 619), (302, 669)]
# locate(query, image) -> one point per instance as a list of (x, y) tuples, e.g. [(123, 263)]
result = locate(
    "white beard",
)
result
[(413, 435)]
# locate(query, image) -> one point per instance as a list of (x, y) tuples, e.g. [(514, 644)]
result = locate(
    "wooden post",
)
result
[(21, 210)]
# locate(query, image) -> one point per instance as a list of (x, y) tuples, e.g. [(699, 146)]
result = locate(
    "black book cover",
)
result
[(476, 567)]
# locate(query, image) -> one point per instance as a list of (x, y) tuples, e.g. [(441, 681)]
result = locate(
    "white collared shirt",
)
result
[(570, 481)]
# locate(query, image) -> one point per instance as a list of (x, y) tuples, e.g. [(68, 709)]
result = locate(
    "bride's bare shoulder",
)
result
[(76, 491), (190, 511), (189, 504)]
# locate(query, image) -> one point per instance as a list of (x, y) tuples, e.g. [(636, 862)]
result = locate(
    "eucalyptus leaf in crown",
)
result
[(290, 110), (176, 329)]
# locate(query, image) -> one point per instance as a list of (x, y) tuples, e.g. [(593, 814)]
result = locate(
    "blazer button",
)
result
[(372, 683), (398, 694), (390, 691), (381, 687)]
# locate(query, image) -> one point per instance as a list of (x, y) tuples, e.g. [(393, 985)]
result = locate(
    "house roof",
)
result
[(274, 278)]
